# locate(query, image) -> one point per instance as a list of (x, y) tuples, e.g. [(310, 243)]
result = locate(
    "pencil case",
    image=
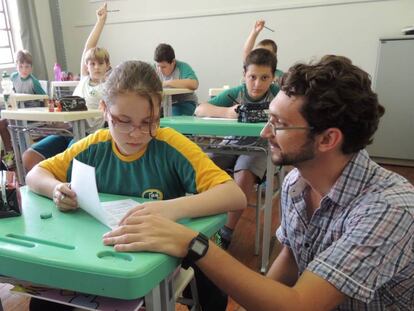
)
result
[(10, 199), (253, 112), (73, 103)]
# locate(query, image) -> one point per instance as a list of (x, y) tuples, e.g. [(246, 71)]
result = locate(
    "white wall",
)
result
[(212, 45), (45, 26)]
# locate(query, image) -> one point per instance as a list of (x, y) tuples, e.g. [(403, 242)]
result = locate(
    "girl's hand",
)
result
[(64, 197), (150, 233)]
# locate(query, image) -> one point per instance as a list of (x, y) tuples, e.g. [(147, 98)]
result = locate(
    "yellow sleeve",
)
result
[(60, 163)]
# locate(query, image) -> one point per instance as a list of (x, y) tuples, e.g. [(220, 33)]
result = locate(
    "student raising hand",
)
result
[(258, 26), (102, 13)]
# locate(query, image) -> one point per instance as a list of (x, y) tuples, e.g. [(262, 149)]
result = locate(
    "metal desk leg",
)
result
[(78, 129), (267, 222), (167, 294), (161, 297), (167, 105), (153, 299), (19, 146)]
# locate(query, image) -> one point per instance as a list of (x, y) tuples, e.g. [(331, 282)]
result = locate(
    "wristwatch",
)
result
[(197, 248)]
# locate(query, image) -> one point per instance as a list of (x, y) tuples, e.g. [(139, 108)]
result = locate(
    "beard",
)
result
[(305, 153)]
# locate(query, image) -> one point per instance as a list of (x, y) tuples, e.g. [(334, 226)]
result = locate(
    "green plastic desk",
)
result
[(66, 251), (200, 126)]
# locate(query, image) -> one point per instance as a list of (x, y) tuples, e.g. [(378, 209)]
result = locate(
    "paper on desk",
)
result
[(218, 119), (83, 182), (116, 210)]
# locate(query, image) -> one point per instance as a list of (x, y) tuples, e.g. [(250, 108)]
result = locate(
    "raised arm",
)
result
[(93, 38), (251, 39)]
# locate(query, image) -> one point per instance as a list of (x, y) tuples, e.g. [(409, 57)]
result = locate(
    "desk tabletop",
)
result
[(26, 97), (66, 251), (176, 91), (20, 97), (42, 114), (219, 127)]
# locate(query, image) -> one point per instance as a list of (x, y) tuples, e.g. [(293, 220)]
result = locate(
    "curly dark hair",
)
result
[(337, 94)]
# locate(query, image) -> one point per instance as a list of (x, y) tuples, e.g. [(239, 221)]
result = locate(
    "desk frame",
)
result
[(19, 128), (25, 239), (206, 128), (167, 98)]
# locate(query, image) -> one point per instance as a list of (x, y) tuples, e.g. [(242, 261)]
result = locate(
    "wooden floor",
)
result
[(242, 248)]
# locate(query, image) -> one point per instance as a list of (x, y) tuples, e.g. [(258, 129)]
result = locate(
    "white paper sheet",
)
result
[(116, 210), (83, 182), (218, 119)]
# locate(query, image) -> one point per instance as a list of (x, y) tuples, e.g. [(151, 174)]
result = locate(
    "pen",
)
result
[(269, 29), (233, 99), (113, 10)]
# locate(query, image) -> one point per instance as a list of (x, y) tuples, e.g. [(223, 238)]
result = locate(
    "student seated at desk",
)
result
[(135, 157), (347, 228), (23, 80), (267, 44), (259, 69), (94, 68), (26, 83), (174, 73)]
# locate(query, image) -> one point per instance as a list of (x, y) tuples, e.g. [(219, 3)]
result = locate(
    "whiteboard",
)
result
[(147, 10)]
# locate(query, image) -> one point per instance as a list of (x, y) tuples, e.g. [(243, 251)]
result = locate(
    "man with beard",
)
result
[(347, 229)]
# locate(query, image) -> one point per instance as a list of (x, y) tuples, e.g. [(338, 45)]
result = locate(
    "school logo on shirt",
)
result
[(153, 194)]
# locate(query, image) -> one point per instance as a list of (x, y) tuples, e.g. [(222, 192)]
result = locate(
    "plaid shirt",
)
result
[(360, 239)]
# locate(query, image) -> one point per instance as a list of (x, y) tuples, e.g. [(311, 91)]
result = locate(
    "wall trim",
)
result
[(257, 9)]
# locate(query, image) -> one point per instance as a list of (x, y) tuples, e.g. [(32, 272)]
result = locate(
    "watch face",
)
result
[(198, 247)]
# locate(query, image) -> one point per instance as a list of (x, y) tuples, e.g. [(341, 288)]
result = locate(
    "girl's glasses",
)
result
[(284, 128), (127, 127)]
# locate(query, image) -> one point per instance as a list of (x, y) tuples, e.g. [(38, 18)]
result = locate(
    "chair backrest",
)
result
[(62, 88), (212, 92), (44, 85)]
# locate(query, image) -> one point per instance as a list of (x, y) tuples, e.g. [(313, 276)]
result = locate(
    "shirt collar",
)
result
[(353, 179), (350, 183)]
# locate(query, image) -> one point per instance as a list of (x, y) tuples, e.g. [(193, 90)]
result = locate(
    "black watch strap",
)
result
[(197, 248)]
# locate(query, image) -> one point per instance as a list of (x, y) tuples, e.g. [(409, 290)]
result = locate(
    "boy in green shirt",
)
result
[(259, 69)]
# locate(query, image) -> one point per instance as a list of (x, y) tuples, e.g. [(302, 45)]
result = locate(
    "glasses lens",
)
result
[(150, 128), (123, 128)]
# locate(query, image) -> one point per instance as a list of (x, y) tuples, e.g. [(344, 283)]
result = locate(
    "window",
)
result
[(8, 23)]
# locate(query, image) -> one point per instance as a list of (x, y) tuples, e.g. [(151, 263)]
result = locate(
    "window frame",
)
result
[(6, 16)]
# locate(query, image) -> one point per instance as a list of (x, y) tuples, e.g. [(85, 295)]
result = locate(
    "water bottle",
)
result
[(7, 86), (58, 72)]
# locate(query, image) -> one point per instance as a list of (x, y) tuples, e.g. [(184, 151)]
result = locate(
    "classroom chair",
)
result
[(212, 92), (44, 85), (181, 280), (60, 89)]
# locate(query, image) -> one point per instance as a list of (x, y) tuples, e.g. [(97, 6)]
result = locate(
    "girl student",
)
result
[(135, 157)]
